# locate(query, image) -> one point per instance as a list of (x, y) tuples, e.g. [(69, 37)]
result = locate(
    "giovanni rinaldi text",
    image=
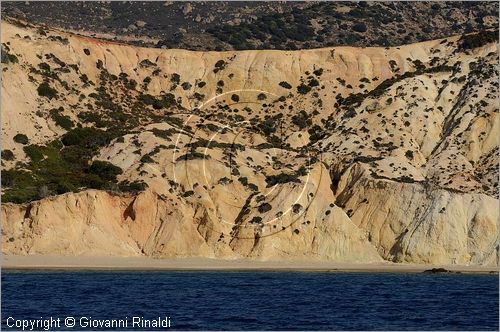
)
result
[(51, 323)]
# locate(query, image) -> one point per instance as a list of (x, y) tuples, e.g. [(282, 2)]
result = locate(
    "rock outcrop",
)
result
[(342, 154)]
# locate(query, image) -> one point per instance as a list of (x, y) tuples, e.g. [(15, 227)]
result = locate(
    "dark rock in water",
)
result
[(437, 270)]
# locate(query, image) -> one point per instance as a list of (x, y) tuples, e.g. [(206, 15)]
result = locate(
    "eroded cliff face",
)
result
[(341, 154), (385, 220), (100, 223), (418, 223)]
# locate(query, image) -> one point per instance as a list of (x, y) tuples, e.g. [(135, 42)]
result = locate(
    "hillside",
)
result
[(346, 154), (239, 25)]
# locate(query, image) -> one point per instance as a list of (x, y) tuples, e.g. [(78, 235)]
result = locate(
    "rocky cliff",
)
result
[(345, 154)]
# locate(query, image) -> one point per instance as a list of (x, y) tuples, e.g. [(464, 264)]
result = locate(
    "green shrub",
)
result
[(147, 99), (63, 186), (265, 207), (285, 85), (476, 40), (303, 89), (252, 187), (12, 58), (165, 134), (225, 180), (318, 72), (92, 117), (44, 90), (34, 152), (219, 65), (105, 170), (188, 193), (92, 181), (316, 133), (176, 122), (268, 126), (272, 180), (313, 82), (165, 101), (359, 27), (62, 121), (9, 58), (256, 220), (44, 66), (405, 179), (296, 208), (243, 180), (19, 186), (147, 159), (131, 84), (86, 137), (133, 187), (21, 138), (193, 156), (302, 120), (6, 56), (55, 168), (7, 155), (198, 96), (147, 63), (176, 78)]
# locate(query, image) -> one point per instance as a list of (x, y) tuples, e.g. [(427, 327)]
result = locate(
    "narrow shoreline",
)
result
[(109, 263)]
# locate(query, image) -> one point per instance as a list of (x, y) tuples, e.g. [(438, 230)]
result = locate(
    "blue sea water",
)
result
[(257, 300)]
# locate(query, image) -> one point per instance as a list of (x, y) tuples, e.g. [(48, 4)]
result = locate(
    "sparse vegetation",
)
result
[(479, 39)]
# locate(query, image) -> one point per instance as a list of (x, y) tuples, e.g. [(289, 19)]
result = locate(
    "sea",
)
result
[(102, 300)]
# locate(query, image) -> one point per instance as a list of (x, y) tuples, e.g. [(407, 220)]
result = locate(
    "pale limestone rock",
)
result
[(140, 24), (187, 8)]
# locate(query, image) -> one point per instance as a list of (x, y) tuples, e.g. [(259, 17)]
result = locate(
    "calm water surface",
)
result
[(258, 300)]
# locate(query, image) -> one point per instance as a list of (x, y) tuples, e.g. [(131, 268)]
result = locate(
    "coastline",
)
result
[(111, 263)]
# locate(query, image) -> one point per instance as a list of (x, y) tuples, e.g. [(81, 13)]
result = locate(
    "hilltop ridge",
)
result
[(233, 25)]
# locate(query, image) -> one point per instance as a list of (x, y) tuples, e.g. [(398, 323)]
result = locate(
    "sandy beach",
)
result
[(10, 262)]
